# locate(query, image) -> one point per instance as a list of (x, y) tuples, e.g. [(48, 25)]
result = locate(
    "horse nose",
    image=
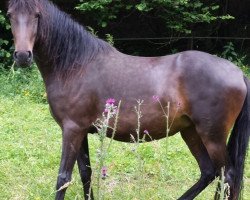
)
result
[(23, 57)]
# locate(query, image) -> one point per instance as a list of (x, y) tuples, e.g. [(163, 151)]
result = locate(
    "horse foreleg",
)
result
[(85, 169), (72, 141), (197, 148)]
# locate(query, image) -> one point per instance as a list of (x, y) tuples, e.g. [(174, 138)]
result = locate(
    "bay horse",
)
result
[(209, 95)]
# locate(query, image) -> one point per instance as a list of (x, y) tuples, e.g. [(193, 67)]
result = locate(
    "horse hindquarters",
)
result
[(214, 105)]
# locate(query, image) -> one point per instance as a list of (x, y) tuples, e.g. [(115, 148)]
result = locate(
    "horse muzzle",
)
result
[(23, 58)]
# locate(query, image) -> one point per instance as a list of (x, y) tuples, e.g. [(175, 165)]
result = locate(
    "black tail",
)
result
[(238, 142)]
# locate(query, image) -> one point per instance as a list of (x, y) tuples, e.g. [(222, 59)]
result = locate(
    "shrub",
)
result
[(4, 43)]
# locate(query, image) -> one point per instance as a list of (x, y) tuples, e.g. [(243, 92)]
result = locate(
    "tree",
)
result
[(179, 16)]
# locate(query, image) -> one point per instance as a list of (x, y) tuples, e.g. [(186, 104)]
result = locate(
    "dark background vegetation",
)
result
[(30, 138), (153, 28)]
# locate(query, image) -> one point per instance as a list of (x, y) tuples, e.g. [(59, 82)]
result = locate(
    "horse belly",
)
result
[(150, 127)]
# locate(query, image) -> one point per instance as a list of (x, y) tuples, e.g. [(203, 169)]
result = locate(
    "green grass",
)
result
[(30, 149)]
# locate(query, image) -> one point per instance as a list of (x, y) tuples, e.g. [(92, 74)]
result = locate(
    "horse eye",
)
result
[(37, 15)]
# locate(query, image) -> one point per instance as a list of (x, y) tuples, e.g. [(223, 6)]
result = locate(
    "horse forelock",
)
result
[(25, 5)]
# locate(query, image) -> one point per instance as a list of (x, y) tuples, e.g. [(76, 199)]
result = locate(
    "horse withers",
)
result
[(207, 94)]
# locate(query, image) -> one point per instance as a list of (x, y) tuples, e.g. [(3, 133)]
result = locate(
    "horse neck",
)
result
[(63, 45)]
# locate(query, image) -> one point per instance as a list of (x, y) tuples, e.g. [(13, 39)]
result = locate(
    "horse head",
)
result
[(24, 17)]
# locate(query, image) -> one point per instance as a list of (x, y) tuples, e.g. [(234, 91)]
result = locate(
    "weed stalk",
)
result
[(102, 125)]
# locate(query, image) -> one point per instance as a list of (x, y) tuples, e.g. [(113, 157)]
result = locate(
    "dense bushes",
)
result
[(178, 15), (231, 54), (4, 43)]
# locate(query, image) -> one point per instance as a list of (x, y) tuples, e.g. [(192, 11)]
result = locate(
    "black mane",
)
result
[(66, 43)]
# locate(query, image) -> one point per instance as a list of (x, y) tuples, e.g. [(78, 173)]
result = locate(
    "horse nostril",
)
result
[(15, 54), (29, 54), (23, 57)]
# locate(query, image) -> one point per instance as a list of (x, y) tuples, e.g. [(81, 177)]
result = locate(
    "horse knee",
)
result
[(62, 180), (86, 174)]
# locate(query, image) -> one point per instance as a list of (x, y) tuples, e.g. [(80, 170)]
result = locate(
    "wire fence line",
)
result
[(179, 38)]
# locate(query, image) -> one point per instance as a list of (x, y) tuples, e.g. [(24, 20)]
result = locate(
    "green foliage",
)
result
[(231, 54), (4, 49), (109, 38), (3, 21), (102, 8), (179, 15)]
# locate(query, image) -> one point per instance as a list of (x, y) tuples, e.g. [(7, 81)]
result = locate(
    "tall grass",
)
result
[(24, 83)]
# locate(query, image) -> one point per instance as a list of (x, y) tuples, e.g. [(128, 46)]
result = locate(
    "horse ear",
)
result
[(5, 5), (38, 15)]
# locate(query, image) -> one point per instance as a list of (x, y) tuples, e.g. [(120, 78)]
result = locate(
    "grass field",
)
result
[(30, 148)]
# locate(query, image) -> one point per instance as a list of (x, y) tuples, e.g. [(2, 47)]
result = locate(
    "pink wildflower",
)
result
[(106, 110), (146, 132), (156, 98), (104, 172), (110, 101)]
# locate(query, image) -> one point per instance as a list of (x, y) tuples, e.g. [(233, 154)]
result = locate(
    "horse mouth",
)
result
[(23, 58), (24, 64)]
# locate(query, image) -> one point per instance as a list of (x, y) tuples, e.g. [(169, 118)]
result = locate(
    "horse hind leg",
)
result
[(197, 148), (215, 143), (83, 162)]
